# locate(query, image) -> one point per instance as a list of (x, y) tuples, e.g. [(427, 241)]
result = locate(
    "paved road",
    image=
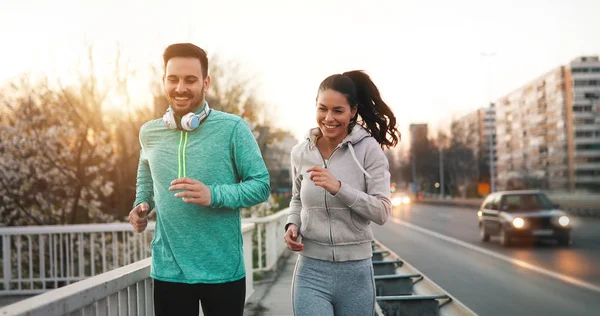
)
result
[(442, 242)]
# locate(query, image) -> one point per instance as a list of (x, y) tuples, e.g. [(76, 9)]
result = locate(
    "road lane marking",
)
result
[(496, 255)]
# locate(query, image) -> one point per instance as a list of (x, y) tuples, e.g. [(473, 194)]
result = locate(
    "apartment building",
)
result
[(548, 131), (474, 131), (418, 133), (584, 150)]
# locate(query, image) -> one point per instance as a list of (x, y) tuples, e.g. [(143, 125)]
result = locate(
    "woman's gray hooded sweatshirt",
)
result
[(337, 227)]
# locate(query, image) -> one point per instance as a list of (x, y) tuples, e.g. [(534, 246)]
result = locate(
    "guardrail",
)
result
[(40, 258), (269, 238), (119, 292), (36, 259), (401, 289)]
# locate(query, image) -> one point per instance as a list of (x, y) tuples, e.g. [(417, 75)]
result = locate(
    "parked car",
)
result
[(522, 215)]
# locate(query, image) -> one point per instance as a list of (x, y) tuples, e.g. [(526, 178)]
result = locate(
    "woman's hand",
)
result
[(291, 238), (323, 178)]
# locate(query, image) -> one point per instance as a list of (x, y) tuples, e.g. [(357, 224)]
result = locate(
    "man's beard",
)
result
[(195, 105)]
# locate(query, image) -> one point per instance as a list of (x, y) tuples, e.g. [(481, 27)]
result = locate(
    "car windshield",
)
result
[(525, 203)]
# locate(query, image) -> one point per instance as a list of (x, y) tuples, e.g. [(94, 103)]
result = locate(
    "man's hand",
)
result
[(291, 238), (194, 191), (323, 178), (138, 217)]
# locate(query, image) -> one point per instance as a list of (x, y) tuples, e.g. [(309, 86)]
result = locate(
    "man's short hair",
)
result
[(187, 50)]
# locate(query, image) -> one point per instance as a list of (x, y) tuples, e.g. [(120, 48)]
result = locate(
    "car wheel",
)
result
[(483, 235), (504, 238)]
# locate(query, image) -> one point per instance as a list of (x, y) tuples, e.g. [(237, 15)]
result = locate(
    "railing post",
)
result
[(80, 246), (42, 257), (247, 239), (6, 261), (271, 243), (281, 246), (259, 227)]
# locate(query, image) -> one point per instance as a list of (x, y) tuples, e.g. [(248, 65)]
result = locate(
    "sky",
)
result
[(433, 60)]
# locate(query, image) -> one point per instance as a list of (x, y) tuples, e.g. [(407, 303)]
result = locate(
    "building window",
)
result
[(585, 83), (588, 146), (582, 108), (595, 172), (581, 121), (581, 160), (584, 134)]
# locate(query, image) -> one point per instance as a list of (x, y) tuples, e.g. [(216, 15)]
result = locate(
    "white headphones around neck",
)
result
[(189, 122)]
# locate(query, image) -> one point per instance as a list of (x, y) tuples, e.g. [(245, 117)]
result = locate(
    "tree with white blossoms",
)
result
[(56, 154)]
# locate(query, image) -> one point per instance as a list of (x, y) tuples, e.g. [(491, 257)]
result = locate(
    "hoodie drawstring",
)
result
[(181, 155), (356, 160)]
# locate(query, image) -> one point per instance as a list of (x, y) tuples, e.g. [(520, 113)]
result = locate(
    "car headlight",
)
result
[(479, 213), (396, 201), (518, 222), (406, 200), (563, 221)]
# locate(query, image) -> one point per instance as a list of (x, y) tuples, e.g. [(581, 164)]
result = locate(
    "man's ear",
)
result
[(206, 83)]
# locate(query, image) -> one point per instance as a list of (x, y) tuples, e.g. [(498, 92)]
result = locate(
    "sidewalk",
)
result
[(274, 297)]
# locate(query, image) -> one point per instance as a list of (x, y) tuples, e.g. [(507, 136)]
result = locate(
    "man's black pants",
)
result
[(182, 299)]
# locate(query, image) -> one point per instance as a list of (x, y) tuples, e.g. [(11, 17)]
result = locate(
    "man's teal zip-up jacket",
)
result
[(192, 243)]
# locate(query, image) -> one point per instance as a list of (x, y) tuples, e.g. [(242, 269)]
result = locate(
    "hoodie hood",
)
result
[(357, 134)]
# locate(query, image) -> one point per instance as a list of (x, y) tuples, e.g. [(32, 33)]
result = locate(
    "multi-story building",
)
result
[(418, 138), (487, 130), (418, 133), (548, 131), (584, 150), (474, 131)]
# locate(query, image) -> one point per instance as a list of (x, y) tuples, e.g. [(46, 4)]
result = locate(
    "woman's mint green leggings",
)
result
[(327, 288)]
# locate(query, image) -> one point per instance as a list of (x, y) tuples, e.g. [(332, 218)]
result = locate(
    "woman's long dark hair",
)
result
[(376, 116)]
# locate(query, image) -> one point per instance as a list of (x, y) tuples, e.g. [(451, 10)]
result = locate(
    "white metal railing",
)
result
[(269, 239), (38, 258), (122, 290)]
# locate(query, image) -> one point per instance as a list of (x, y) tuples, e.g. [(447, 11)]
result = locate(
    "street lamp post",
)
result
[(492, 177), (414, 163), (442, 171)]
